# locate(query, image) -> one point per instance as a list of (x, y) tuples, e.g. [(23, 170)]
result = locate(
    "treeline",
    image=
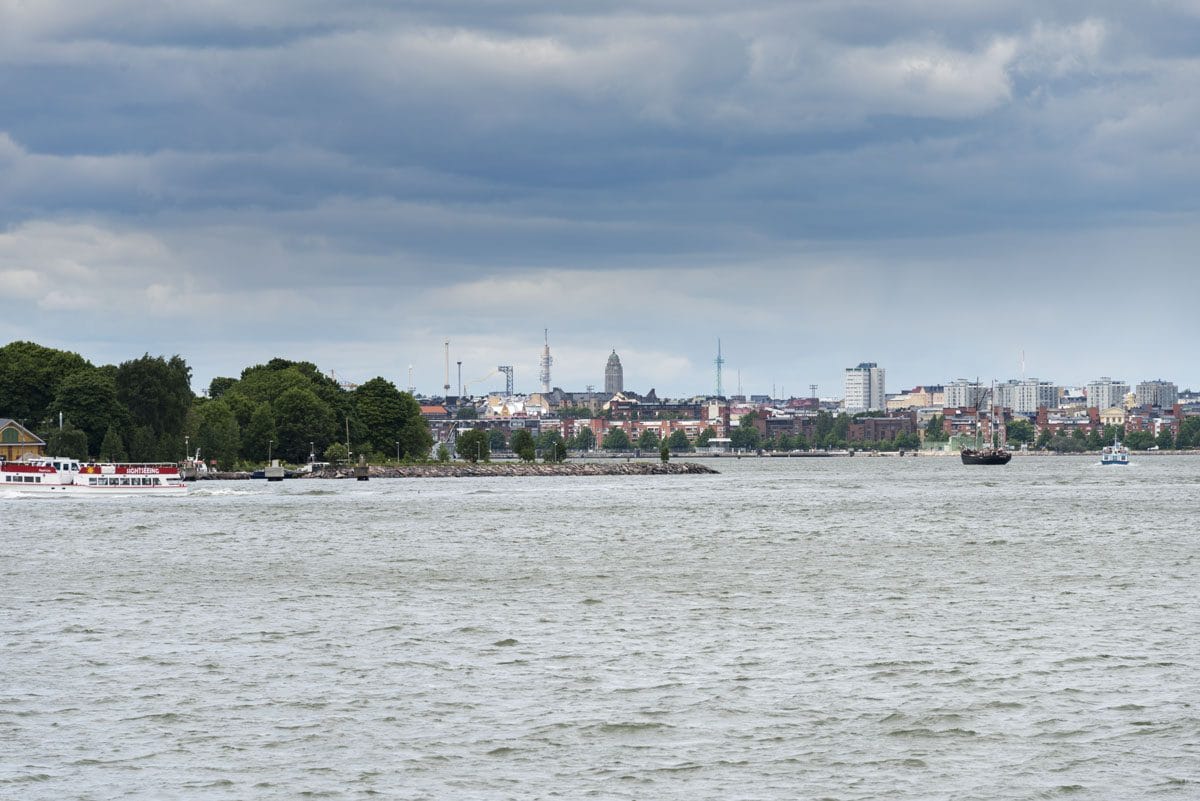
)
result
[(144, 410)]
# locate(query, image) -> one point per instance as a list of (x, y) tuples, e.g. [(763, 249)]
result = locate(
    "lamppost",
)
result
[(397, 452), (270, 442), (312, 455), (187, 446)]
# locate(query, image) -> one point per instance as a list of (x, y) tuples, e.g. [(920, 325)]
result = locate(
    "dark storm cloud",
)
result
[(369, 155)]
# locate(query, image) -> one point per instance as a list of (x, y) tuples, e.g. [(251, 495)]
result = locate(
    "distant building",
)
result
[(1027, 395), (16, 440), (1162, 394), (962, 393), (923, 397), (1105, 393), (864, 388), (614, 377)]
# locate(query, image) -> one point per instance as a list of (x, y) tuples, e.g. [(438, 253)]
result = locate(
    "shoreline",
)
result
[(501, 469)]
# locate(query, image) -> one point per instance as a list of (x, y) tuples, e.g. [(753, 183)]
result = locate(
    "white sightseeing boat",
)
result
[(52, 475)]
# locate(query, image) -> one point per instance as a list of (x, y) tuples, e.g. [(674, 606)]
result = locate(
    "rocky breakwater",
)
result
[(462, 470)]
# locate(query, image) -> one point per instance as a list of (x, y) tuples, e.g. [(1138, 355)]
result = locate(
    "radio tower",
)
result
[(719, 362), (412, 389), (547, 360)]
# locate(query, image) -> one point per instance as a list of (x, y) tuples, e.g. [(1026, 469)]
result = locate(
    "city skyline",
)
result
[(936, 188)]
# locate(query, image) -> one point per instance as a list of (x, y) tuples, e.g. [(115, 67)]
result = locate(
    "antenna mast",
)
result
[(446, 386), (719, 362)]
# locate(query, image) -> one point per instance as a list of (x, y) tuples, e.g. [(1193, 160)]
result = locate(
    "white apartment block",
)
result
[(1027, 395), (1162, 394), (1105, 393), (963, 393), (864, 388)]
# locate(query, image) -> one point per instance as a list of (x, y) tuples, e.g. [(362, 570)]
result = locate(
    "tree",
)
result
[(336, 453), (1094, 439), (215, 432), (616, 440), (443, 453), (584, 439), (387, 416), (522, 445), (112, 449), (473, 445), (1018, 431), (466, 413), (219, 386), (708, 433), (1189, 432), (300, 418), (1165, 439), (1139, 440), (496, 440), (67, 441), (1044, 438), (744, 437), (156, 391), (143, 445), (88, 398), (935, 429), (648, 441), (664, 453), (678, 442), (30, 379), (258, 435), (553, 448)]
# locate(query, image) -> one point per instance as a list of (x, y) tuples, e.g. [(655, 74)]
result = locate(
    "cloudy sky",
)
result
[(933, 185)]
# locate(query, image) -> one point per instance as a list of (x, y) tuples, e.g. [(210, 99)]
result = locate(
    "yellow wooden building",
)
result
[(16, 440)]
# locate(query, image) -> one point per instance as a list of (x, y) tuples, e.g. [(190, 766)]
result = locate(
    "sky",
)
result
[(947, 188)]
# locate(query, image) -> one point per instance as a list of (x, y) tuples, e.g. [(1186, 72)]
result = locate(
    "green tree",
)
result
[(112, 449), (1139, 440), (387, 416), (678, 442), (30, 379), (935, 429), (522, 444), (1019, 432), (552, 445), (745, 437), (1094, 439), (88, 398), (216, 433), (496, 440), (336, 453), (708, 433), (1165, 439), (664, 453), (300, 418), (584, 439), (143, 445), (1189, 432), (259, 434), (616, 440), (219, 386), (156, 391), (648, 441), (466, 413), (473, 445), (1044, 438), (443, 453), (67, 441)]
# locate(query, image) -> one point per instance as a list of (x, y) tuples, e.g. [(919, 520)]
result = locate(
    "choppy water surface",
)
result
[(837, 628)]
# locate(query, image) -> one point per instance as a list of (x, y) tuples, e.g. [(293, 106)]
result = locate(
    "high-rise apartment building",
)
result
[(614, 376), (1105, 393), (1027, 395), (864, 388), (1162, 394), (962, 393)]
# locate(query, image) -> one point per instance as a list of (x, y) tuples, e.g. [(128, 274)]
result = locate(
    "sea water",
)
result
[(843, 628)]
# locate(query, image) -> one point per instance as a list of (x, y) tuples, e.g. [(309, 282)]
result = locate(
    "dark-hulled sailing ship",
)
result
[(995, 452)]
